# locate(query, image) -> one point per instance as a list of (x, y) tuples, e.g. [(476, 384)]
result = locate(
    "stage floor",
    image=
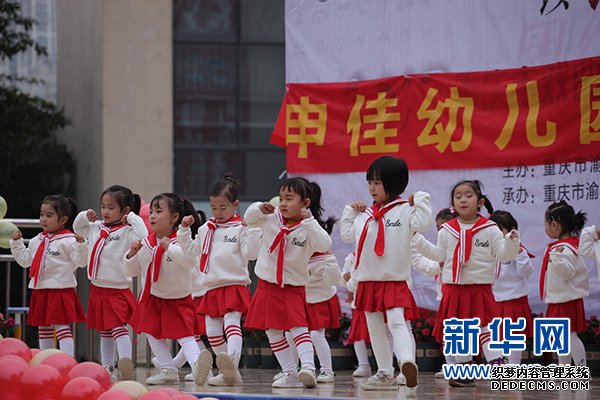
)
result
[(257, 384)]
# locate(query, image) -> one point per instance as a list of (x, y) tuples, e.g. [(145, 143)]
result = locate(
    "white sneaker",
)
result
[(380, 381), (326, 377), (288, 380), (220, 381), (307, 377), (165, 376), (411, 373), (111, 371), (401, 379), (125, 367), (362, 371), (439, 375), (202, 367), (278, 376), (228, 366), (155, 363)]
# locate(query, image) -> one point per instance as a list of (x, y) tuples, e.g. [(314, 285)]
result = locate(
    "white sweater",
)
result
[(427, 266), (513, 280), (566, 276), (63, 257), (175, 278), (111, 269), (308, 238), (231, 249), (350, 267), (324, 274), (488, 247), (589, 246), (400, 223)]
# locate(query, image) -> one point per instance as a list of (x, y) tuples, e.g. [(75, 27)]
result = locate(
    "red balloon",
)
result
[(114, 395), (170, 391), (41, 382), (16, 347), (13, 357), (81, 388), (11, 370), (183, 396), (62, 362), (145, 214), (154, 395), (91, 370)]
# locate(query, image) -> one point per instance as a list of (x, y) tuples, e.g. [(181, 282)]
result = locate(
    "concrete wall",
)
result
[(115, 83)]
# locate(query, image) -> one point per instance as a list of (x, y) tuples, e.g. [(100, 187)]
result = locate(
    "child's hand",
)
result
[(346, 276), (359, 206), (442, 265), (411, 199), (267, 208), (79, 239), (135, 247), (305, 213), (513, 235), (165, 242), (559, 249), (349, 297), (186, 222), (17, 235), (91, 215)]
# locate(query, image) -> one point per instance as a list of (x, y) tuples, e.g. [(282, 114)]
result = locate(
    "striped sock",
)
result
[(281, 350), (46, 337), (64, 334), (107, 348), (120, 336), (304, 346)]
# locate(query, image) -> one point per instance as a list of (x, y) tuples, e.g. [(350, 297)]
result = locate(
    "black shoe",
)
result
[(461, 382)]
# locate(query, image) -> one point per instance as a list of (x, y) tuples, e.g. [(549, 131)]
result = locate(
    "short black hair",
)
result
[(392, 172)]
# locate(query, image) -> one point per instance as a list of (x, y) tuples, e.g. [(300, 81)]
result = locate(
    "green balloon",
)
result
[(6, 232), (3, 207)]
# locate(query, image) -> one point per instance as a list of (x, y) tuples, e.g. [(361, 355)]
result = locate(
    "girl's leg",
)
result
[(360, 349), (281, 350), (46, 337), (168, 373), (491, 356), (233, 332), (120, 336), (577, 352), (322, 349), (64, 334), (107, 349), (304, 346), (379, 343), (290, 340), (190, 349), (214, 331), (404, 345)]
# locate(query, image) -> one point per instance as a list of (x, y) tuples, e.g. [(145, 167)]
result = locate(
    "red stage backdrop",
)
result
[(534, 115)]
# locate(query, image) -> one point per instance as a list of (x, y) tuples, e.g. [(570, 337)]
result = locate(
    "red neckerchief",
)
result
[(279, 240), (462, 252), (376, 213), (572, 243), (157, 251), (212, 225), (39, 259), (105, 231)]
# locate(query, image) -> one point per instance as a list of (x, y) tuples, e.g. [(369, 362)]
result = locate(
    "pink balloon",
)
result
[(12, 357), (81, 388), (62, 362), (114, 395), (11, 370), (34, 351), (91, 370), (41, 382), (16, 347), (170, 391), (154, 395)]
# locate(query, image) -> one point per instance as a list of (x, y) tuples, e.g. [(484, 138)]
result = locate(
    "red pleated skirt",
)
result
[(571, 309), (380, 296), (358, 328), (54, 306), (164, 318), (465, 301), (325, 314), (218, 302), (199, 317), (515, 309), (277, 307), (109, 308)]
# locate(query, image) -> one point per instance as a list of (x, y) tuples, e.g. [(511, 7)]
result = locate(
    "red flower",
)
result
[(419, 324), (426, 332)]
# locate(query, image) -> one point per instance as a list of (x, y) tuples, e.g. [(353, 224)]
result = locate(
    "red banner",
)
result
[(523, 116)]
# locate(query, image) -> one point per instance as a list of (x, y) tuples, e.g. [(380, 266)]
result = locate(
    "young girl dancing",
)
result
[(54, 255), (383, 234), (225, 245), (291, 235), (564, 276), (111, 301), (165, 310)]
